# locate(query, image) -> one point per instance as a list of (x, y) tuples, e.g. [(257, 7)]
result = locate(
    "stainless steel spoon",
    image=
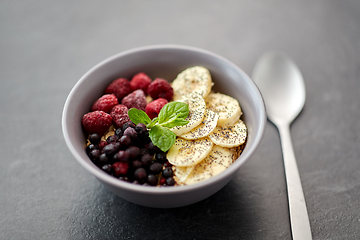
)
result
[(282, 87)]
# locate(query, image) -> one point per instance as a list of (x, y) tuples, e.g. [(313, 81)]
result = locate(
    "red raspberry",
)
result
[(136, 99), (160, 88), (119, 115), (119, 87), (96, 122), (140, 81), (120, 168), (153, 108), (105, 103)]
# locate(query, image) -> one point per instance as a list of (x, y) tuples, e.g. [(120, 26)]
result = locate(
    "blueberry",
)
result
[(140, 174), (133, 151), (122, 156), (170, 181), (131, 133), (119, 132), (94, 138), (125, 140), (152, 179), (156, 168), (94, 154), (136, 164), (161, 157), (110, 149), (103, 158), (107, 168), (147, 159), (140, 128), (128, 124), (90, 147), (152, 148), (112, 138), (167, 172)]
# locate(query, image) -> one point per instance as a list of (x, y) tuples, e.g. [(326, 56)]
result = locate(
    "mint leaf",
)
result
[(162, 137), (172, 111), (138, 116), (175, 122), (152, 123)]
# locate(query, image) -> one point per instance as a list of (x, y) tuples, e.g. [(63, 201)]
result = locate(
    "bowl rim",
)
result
[(100, 175)]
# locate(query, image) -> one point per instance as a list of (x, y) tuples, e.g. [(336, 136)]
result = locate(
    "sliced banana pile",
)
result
[(214, 137)]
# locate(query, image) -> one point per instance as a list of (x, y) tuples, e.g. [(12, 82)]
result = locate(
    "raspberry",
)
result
[(119, 115), (119, 87), (160, 88), (136, 99), (105, 103), (140, 81), (153, 108), (120, 168), (96, 122)]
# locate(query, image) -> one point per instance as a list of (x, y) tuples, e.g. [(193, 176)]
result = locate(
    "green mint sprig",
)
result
[(171, 115)]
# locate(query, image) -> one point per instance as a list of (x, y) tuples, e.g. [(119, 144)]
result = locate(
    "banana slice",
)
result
[(231, 136), (195, 79), (197, 109), (216, 162), (182, 173), (186, 153), (207, 125), (227, 107)]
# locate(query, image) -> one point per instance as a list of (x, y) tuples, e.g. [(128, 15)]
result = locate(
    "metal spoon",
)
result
[(283, 90)]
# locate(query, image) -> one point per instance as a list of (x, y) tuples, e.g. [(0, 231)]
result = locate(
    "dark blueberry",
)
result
[(133, 151), (90, 147), (167, 172), (119, 132), (140, 128), (112, 138), (152, 179), (122, 156), (136, 164), (103, 158), (170, 181), (125, 140), (161, 157), (94, 154), (124, 178), (107, 168), (152, 148), (156, 168), (131, 133), (94, 138), (147, 159), (110, 149), (140, 174), (128, 124)]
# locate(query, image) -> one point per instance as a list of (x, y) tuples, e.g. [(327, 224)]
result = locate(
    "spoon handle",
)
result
[(299, 219)]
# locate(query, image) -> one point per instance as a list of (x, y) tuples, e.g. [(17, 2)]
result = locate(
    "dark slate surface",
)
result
[(46, 46)]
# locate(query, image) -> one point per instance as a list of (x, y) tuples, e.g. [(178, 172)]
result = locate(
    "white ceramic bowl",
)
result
[(164, 61)]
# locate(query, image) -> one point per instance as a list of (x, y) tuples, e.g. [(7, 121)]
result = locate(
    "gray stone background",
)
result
[(46, 46)]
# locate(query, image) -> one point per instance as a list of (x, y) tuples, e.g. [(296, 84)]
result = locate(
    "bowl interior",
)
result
[(164, 61)]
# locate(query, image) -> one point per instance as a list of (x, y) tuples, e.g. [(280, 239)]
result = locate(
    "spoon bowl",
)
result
[(282, 86)]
